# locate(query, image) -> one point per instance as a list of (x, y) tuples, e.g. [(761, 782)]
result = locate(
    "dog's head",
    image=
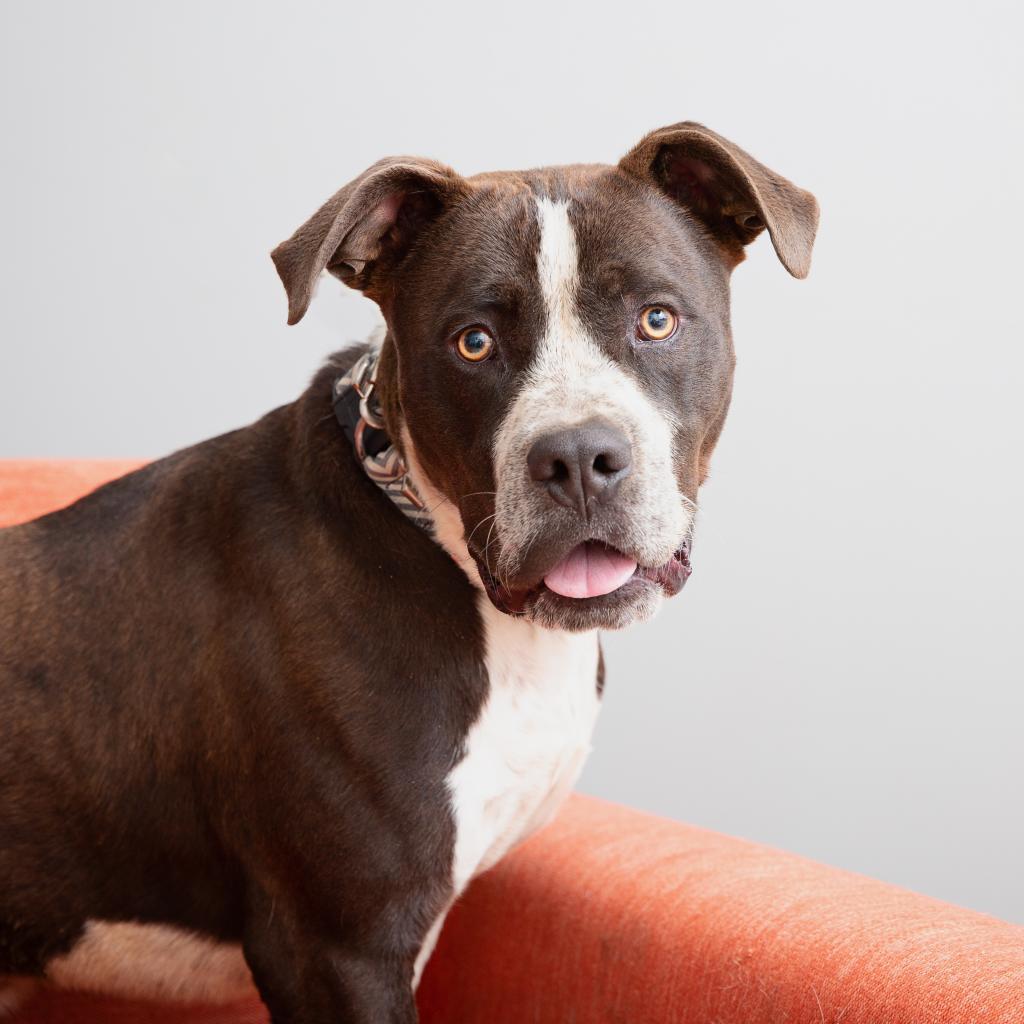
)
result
[(558, 360)]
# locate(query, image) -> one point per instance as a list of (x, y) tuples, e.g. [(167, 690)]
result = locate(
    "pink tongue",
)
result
[(590, 570)]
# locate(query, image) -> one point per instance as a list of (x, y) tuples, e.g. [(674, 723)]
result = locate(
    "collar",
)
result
[(357, 409)]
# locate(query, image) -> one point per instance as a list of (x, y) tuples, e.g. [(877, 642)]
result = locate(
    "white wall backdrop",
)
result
[(843, 675)]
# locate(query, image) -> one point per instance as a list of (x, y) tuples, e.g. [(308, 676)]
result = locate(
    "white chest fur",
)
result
[(526, 749)]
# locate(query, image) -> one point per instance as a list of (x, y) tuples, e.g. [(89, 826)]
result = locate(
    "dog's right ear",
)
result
[(365, 229)]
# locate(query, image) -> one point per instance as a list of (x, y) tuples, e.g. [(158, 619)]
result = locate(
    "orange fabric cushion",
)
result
[(612, 915), (50, 1007), (32, 487)]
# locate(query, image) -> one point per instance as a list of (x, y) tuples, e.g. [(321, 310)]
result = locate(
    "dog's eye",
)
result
[(474, 344), (656, 323)]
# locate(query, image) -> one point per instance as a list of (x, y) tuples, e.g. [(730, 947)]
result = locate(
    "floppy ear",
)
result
[(735, 196), (366, 228)]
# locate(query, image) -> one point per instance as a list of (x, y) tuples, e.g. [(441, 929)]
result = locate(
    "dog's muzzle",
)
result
[(669, 578)]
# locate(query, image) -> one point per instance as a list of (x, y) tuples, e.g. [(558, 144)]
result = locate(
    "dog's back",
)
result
[(96, 705), (121, 622)]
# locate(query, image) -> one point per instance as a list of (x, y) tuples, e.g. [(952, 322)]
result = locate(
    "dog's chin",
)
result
[(637, 599)]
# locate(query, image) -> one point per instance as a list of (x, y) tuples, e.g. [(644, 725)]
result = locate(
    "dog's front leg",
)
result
[(309, 975)]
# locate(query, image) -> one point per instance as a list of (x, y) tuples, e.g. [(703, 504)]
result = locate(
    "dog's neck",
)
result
[(388, 394), (357, 408), (447, 525)]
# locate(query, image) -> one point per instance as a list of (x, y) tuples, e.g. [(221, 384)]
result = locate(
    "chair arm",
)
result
[(33, 487), (610, 915)]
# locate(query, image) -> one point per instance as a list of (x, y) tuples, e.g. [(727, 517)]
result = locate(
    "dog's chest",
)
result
[(527, 747)]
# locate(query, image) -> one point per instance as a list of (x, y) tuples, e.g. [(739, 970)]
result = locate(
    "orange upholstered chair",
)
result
[(609, 915)]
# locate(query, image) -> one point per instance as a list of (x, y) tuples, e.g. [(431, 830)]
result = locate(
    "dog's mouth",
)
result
[(588, 573)]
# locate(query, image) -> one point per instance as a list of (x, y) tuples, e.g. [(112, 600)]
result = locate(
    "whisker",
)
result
[(487, 544), (469, 539), (475, 494)]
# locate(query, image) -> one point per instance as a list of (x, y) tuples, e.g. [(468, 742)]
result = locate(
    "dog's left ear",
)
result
[(735, 196), (366, 228)]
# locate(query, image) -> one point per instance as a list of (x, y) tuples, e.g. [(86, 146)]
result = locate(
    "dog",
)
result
[(270, 703)]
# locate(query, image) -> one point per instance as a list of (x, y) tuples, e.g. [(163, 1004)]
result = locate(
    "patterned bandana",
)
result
[(358, 411)]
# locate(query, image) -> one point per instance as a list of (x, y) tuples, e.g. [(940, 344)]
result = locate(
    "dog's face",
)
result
[(564, 358), (558, 362)]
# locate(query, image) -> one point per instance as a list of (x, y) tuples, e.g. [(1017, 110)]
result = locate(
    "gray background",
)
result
[(843, 675)]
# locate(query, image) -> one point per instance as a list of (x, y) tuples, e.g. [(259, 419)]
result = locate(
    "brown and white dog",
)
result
[(256, 723)]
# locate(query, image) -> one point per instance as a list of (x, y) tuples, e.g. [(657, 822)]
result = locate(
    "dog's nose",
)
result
[(581, 464)]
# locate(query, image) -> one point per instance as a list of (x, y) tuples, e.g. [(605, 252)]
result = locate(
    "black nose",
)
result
[(582, 464)]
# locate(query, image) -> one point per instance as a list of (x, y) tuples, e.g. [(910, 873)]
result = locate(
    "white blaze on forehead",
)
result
[(557, 264)]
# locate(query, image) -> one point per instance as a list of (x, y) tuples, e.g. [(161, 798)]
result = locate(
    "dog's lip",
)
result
[(670, 576)]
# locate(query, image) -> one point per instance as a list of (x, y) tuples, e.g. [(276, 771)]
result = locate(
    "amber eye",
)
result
[(656, 323), (474, 344)]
